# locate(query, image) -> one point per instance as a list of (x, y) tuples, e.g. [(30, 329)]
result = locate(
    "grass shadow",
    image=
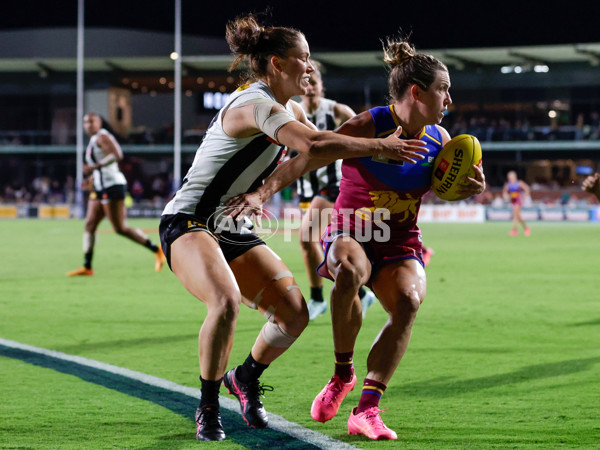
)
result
[(124, 343), (448, 388)]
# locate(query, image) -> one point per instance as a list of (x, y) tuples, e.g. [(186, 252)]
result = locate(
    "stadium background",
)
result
[(504, 352), (526, 84)]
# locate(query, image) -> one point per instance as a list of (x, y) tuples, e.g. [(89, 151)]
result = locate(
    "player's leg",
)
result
[(116, 212), (314, 220), (350, 268), (400, 287), (268, 286), (516, 210), (197, 260), (93, 216), (526, 229)]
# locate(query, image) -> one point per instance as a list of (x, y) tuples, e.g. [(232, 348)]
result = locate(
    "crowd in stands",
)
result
[(41, 190), (486, 129), (551, 182), (155, 192)]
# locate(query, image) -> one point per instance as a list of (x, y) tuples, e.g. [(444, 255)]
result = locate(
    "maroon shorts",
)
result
[(402, 244)]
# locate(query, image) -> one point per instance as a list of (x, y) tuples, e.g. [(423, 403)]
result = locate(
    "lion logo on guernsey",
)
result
[(391, 201)]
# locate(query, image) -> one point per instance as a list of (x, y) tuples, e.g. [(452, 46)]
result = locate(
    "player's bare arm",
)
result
[(445, 135), (113, 151), (285, 174), (331, 146), (342, 113)]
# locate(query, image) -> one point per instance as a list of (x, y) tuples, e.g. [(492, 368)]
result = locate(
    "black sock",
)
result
[(87, 260), (316, 293), (250, 370), (149, 244), (361, 292), (210, 391)]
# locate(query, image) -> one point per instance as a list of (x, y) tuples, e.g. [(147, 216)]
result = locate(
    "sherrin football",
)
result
[(453, 162)]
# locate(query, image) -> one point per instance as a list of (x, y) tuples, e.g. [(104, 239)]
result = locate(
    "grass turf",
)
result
[(505, 351)]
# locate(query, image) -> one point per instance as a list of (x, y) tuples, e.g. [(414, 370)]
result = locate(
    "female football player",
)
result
[(107, 199), (223, 262), (513, 190), (373, 238)]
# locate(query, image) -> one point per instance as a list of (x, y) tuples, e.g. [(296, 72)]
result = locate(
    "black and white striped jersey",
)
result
[(224, 166), (323, 179), (107, 176)]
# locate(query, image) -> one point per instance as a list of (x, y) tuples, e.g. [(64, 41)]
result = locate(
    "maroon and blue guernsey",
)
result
[(379, 201), (514, 193)]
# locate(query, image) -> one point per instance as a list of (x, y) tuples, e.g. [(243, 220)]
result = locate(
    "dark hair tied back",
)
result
[(408, 67), (248, 39)]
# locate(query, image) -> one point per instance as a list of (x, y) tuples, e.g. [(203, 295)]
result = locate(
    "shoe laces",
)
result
[(255, 390), (209, 415), (373, 418), (334, 388)]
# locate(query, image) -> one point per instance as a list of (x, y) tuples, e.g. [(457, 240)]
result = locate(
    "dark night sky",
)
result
[(339, 26)]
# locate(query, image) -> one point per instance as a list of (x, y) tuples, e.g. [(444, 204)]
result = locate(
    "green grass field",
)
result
[(505, 351)]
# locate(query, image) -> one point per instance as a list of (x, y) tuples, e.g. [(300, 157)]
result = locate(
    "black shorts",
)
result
[(232, 245), (116, 192)]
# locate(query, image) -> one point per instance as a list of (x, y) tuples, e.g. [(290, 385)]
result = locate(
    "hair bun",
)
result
[(396, 53)]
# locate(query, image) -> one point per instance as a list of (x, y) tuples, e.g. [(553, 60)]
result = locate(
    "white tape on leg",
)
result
[(276, 336)]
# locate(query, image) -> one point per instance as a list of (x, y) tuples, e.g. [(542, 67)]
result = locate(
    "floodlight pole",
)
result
[(177, 112), (79, 121)]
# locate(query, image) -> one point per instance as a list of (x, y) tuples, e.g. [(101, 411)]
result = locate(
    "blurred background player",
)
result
[(107, 198), (514, 190), (428, 252), (592, 185), (318, 190)]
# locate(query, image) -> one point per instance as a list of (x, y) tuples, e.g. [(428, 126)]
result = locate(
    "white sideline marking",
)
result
[(275, 422)]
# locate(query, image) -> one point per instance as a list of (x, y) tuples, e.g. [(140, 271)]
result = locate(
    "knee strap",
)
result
[(276, 336)]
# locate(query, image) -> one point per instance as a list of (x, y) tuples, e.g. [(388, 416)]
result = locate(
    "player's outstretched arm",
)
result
[(330, 146), (285, 174)]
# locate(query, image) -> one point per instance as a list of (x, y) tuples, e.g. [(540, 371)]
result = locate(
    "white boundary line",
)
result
[(275, 422)]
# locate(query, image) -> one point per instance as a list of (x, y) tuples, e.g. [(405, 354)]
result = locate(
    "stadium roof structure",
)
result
[(107, 50)]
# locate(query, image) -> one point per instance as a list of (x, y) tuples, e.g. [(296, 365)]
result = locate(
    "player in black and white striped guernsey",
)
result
[(317, 191), (107, 199), (225, 266)]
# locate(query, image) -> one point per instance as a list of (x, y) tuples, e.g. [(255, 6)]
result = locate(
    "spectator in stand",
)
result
[(595, 125), (554, 133), (579, 128)]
